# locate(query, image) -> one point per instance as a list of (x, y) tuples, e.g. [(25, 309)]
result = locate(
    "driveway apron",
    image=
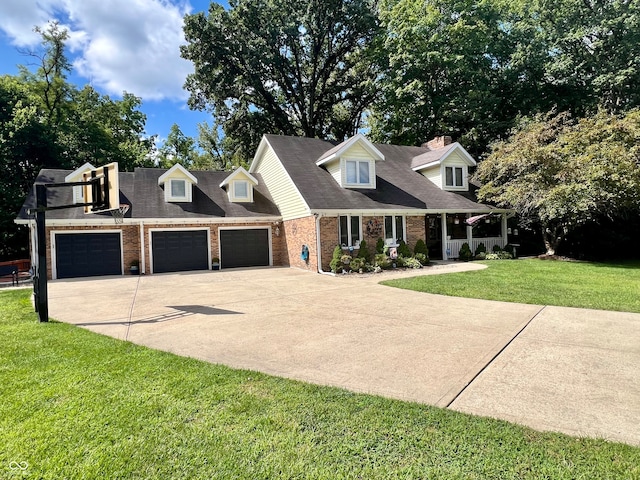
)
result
[(523, 363)]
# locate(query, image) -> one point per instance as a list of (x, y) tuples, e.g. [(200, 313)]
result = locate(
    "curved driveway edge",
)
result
[(570, 370)]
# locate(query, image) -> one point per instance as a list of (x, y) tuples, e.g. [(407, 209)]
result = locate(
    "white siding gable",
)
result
[(285, 194)]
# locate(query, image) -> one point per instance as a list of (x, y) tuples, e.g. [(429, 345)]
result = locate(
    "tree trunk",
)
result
[(551, 239)]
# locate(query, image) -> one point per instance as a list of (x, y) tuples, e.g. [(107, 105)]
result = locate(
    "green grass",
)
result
[(602, 286), (74, 404)]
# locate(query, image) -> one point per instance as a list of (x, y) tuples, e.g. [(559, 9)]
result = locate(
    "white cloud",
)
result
[(116, 45)]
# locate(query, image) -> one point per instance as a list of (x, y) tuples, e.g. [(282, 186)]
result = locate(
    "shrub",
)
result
[(422, 258), (399, 261), (412, 262), (465, 252), (498, 256), (421, 247), (481, 249), (403, 249), (509, 249), (382, 261), (380, 246), (357, 263), (496, 249), (482, 256), (364, 252), (335, 259)]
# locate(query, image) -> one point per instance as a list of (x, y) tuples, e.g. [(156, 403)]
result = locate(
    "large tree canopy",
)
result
[(559, 174), (46, 122), (470, 68), (294, 67)]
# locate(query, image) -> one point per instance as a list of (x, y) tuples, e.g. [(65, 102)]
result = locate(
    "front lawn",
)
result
[(74, 404), (603, 286)]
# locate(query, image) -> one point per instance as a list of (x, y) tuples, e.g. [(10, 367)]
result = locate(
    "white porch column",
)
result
[(443, 221), (469, 234), (505, 238)]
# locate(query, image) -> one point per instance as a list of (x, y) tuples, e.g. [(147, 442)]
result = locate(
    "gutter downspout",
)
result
[(143, 263), (318, 246)]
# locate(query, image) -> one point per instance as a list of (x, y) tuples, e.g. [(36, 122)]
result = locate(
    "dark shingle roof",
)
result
[(140, 189), (398, 186)]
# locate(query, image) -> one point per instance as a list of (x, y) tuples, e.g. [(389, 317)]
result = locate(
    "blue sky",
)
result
[(116, 46)]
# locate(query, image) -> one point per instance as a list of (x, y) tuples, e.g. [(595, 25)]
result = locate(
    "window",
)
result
[(453, 177), (178, 188), (241, 189), (358, 172), (394, 228), (350, 230)]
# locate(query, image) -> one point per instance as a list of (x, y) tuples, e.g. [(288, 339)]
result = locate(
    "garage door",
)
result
[(88, 254), (244, 248), (180, 250)]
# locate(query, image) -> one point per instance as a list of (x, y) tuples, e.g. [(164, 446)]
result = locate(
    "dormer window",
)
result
[(454, 177), (352, 163), (178, 189), (357, 172), (241, 189), (178, 184), (446, 166), (239, 186)]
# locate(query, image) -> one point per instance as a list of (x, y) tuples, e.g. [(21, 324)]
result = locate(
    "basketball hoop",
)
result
[(119, 213)]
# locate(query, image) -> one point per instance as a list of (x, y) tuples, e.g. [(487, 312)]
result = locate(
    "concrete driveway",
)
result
[(569, 370)]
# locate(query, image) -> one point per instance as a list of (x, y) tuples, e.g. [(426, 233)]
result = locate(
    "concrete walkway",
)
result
[(561, 369)]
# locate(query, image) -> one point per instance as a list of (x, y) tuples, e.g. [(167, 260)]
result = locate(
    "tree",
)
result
[(46, 122), (559, 173), (592, 51), (26, 145), (450, 71), (292, 67)]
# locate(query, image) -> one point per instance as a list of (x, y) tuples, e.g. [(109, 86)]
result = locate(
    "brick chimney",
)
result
[(438, 142)]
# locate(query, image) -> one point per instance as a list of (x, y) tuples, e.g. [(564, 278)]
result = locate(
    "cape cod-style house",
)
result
[(299, 194)]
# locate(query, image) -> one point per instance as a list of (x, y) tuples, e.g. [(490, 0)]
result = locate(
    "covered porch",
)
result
[(473, 228)]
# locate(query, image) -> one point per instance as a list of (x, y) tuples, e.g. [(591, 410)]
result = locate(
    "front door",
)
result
[(433, 229)]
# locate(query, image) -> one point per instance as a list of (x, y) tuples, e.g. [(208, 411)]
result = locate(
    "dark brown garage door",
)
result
[(88, 254), (180, 250), (244, 248)]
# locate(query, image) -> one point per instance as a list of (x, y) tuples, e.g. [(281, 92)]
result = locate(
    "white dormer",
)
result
[(447, 167), (178, 184), (353, 163), (239, 186), (76, 176)]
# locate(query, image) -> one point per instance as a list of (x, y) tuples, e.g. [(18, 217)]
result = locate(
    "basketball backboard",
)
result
[(103, 193)]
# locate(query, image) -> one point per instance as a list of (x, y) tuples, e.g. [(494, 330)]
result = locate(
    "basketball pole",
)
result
[(41, 300), (40, 290)]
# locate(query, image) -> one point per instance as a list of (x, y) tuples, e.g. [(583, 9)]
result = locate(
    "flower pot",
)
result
[(133, 270)]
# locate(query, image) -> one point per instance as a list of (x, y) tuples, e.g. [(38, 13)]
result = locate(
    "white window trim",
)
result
[(393, 227), (234, 197), (169, 188), (464, 186), (349, 232), (372, 172)]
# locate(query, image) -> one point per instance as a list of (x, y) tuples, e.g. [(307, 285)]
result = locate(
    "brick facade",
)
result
[(131, 241), (295, 234), (286, 245), (415, 230)]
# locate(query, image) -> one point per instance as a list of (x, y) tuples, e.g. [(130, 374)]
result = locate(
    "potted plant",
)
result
[(215, 263), (134, 267)]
